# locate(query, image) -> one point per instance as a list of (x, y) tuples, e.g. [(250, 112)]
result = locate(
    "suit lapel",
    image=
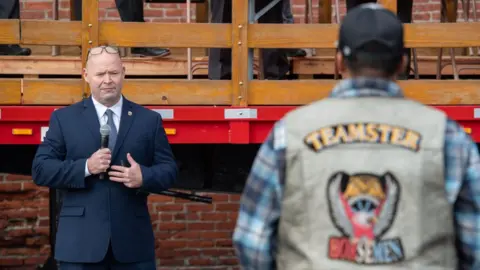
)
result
[(126, 120), (90, 119)]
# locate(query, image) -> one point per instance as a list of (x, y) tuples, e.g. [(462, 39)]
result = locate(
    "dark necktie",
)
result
[(113, 132)]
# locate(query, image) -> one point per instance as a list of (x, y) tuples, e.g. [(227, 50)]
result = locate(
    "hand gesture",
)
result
[(130, 177), (99, 161)]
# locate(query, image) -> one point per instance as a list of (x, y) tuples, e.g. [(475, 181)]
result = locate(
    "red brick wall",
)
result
[(189, 235), (424, 10), (23, 222)]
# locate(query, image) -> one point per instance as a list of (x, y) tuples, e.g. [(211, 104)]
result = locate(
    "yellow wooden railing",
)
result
[(240, 35)]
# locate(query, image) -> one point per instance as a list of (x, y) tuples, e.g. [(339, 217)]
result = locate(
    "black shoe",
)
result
[(14, 50), (150, 52), (296, 53), (276, 78)]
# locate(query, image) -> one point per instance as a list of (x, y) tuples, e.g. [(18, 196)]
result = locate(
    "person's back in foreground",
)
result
[(365, 179)]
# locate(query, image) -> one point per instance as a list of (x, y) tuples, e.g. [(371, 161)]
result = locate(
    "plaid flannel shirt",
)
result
[(256, 229)]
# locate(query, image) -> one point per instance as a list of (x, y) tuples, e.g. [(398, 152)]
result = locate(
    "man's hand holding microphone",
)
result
[(100, 161)]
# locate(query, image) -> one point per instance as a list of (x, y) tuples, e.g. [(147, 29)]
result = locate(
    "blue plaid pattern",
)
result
[(254, 237)]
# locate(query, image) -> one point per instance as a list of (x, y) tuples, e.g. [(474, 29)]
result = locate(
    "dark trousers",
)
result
[(129, 10), (9, 9), (275, 62), (404, 13), (404, 8), (108, 263)]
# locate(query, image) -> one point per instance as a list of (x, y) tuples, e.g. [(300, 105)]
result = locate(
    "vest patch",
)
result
[(362, 208), (375, 133)]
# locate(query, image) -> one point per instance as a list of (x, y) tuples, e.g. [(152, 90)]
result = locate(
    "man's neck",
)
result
[(108, 105)]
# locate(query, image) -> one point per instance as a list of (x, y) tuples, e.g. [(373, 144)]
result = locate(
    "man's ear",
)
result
[(124, 73), (85, 73), (403, 64), (339, 60), (340, 63)]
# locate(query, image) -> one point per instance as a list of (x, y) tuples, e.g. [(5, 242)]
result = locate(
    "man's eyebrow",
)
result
[(109, 71)]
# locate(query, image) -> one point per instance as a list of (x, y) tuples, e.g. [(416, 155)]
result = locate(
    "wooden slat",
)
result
[(46, 32), (145, 92), (130, 34), (10, 92), (432, 92), (179, 92), (209, 92), (439, 35), (71, 65), (67, 65), (52, 91), (172, 35), (9, 31), (40, 65), (427, 65), (313, 65), (292, 35), (424, 35)]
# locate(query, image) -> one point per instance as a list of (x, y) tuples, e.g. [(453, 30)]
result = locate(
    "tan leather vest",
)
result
[(365, 187)]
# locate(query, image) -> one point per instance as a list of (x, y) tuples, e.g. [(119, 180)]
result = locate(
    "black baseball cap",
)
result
[(372, 29)]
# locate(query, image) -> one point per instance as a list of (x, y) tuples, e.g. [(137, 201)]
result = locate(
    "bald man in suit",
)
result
[(104, 221)]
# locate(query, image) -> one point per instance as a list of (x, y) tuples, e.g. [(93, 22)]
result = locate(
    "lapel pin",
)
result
[(129, 113)]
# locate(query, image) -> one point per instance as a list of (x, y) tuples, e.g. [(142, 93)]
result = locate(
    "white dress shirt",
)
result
[(103, 118)]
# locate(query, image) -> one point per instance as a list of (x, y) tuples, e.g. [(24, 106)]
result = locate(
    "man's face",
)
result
[(105, 73)]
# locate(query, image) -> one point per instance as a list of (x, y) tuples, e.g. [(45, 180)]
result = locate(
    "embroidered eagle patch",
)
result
[(363, 208)]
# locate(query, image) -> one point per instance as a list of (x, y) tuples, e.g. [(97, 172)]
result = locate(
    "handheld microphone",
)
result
[(104, 137)]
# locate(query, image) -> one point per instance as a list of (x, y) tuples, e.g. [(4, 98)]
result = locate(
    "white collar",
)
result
[(101, 109)]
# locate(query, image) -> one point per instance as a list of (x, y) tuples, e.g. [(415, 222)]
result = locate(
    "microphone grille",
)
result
[(105, 130)]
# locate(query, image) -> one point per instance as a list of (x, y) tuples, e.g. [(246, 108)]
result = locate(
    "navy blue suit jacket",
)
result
[(95, 211)]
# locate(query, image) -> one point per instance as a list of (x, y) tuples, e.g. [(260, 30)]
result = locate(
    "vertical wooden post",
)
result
[(325, 11), (240, 80), (309, 19), (201, 12), (450, 8), (55, 48), (390, 4), (90, 27), (202, 15)]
